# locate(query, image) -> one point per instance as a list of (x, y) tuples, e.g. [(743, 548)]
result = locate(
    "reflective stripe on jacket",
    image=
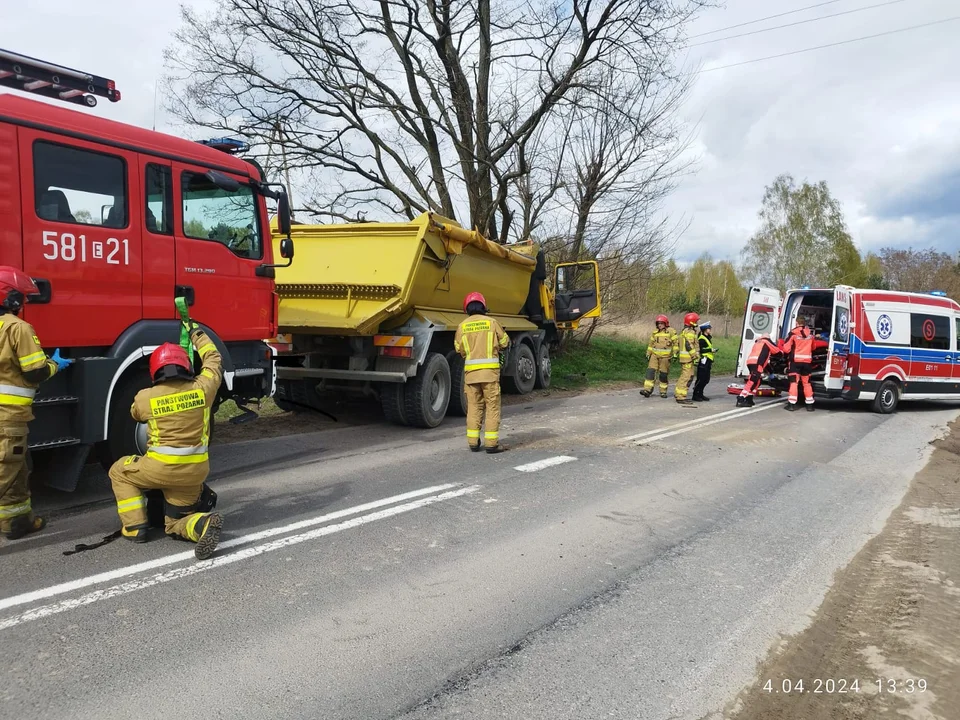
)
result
[(663, 343), (20, 353), (761, 352), (689, 346), (177, 411), (479, 341), (800, 343), (706, 348)]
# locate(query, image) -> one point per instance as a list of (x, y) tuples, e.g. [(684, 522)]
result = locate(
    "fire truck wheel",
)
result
[(391, 400), (427, 394), (544, 367), (122, 430), (888, 396), (524, 375), (458, 393)]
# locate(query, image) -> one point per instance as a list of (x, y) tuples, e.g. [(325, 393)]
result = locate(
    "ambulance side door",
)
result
[(839, 348), (762, 317)]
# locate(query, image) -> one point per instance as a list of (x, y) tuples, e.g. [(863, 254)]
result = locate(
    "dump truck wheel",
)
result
[(392, 402), (888, 396), (428, 393), (524, 376), (544, 367), (458, 392)]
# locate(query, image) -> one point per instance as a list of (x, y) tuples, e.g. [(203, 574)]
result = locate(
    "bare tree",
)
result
[(402, 106)]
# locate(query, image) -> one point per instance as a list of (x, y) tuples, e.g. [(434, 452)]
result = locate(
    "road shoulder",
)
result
[(891, 617)]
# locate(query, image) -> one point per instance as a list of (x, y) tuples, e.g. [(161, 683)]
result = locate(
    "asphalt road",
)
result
[(380, 572)]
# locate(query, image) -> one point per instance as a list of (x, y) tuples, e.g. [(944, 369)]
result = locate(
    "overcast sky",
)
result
[(879, 120)]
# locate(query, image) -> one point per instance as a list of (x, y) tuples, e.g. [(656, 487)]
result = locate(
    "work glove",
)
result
[(192, 327), (62, 362)]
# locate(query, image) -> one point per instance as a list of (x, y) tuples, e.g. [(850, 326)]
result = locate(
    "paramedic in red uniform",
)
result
[(799, 348), (760, 355)]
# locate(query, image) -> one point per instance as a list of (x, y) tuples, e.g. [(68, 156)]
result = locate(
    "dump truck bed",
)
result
[(354, 279)]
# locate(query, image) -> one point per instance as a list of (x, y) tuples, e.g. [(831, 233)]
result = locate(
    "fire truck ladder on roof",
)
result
[(54, 81)]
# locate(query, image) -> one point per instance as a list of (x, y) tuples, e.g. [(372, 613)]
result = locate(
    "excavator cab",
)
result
[(576, 288)]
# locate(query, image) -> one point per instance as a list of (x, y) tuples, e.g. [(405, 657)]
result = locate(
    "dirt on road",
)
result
[(886, 641)]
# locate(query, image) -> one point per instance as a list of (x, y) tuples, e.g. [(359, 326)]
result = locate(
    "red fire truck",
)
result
[(114, 222)]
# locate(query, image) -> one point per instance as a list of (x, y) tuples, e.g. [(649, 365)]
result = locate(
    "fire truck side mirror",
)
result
[(286, 248), (283, 222), (224, 182)]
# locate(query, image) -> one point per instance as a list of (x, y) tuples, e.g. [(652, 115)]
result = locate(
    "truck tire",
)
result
[(393, 403), (458, 393), (524, 376), (427, 394), (122, 429), (544, 367), (888, 397)]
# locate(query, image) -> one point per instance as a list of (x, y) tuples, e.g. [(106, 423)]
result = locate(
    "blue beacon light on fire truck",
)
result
[(938, 293), (231, 146)]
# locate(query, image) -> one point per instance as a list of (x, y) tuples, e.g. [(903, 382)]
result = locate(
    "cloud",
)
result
[(879, 120)]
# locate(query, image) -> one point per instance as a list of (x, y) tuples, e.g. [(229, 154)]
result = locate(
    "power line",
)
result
[(769, 17), (798, 22), (830, 45)]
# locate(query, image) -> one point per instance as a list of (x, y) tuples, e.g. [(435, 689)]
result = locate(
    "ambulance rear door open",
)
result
[(838, 351), (762, 317)]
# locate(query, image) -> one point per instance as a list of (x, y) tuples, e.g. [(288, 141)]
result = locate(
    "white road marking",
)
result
[(726, 413), (710, 421), (234, 542), (221, 560), (541, 464)]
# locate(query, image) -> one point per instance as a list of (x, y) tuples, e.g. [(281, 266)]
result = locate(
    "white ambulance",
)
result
[(873, 345)]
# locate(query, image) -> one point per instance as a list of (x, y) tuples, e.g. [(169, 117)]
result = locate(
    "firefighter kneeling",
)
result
[(480, 340), (177, 412)]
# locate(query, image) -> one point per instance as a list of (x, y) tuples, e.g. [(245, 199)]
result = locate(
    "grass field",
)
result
[(610, 359)]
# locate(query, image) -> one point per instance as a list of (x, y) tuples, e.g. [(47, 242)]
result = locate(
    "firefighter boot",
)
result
[(136, 533), (496, 449), (684, 402), (475, 447), (207, 531), (24, 525), (663, 394), (646, 393)]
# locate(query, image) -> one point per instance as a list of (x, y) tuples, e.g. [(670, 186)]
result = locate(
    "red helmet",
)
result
[(472, 298), (172, 356), (662, 319), (15, 285), (691, 319)]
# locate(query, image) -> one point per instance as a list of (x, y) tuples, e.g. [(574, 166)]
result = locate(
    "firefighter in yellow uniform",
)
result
[(662, 346), (480, 340), (177, 412), (688, 352), (23, 366)]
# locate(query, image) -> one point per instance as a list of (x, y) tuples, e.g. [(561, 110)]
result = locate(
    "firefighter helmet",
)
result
[(691, 318), (15, 285), (169, 361), (662, 319), (472, 298)]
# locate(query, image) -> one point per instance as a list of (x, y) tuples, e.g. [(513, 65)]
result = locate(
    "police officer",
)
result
[(23, 366), (480, 339), (177, 412), (704, 367), (688, 352), (662, 346), (764, 350), (799, 347)]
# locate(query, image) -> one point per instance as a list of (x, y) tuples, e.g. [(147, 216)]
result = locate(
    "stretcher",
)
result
[(737, 388)]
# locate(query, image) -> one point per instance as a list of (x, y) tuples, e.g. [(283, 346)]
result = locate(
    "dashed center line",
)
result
[(541, 464)]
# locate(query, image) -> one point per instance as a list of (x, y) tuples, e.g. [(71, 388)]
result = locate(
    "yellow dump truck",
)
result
[(373, 307)]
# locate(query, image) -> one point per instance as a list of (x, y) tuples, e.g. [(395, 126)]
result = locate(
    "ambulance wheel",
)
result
[(544, 368), (125, 436), (458, 392), (427, 394), (392, 403), (888, 396), (524, 376)]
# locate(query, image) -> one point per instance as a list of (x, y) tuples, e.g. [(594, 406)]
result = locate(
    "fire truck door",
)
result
[(220, 243), (81, 238)]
